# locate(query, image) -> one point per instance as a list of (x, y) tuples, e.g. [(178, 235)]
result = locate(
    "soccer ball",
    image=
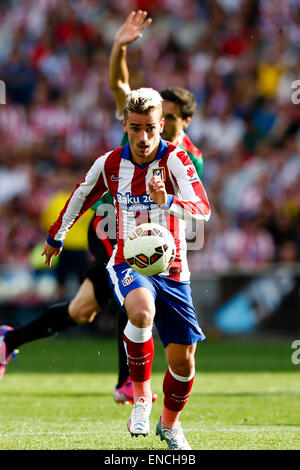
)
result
[(149, 249)]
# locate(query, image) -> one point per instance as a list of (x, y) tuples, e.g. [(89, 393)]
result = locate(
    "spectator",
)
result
[(238, 57)]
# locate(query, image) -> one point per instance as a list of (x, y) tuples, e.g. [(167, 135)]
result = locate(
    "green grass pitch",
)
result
[(59, 396)]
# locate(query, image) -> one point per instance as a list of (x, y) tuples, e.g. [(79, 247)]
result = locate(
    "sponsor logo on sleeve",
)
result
[(192, 174)]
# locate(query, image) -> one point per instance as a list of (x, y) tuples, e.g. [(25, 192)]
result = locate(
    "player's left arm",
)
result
[(193, 202)]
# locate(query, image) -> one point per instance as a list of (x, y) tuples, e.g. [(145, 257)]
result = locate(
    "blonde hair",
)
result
[(142, 101)]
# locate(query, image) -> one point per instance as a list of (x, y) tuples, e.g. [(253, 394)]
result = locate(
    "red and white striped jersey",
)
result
[(128, 183)]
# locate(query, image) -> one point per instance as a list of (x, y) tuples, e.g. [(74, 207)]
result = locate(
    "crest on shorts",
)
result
[(127, 280), (159, 172)]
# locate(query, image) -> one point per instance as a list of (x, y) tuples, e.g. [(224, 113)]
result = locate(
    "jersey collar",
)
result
[(162, 150)]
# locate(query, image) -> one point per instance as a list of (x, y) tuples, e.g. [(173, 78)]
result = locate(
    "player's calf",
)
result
[(84, 307)]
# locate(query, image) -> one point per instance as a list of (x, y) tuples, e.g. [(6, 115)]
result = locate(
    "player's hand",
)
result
[(130, 31), (49, 251), (157, 190)]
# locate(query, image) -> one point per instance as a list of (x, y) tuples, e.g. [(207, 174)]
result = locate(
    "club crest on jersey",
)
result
[(159, 172)]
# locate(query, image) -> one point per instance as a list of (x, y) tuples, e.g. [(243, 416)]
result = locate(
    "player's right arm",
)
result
[(49, 251), (83, 197), (129, 32)]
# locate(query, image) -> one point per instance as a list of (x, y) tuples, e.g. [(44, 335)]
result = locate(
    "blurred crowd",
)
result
[(239, 58)]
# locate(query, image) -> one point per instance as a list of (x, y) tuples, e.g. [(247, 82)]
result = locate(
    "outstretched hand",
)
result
[(49, 251), (130, 31)]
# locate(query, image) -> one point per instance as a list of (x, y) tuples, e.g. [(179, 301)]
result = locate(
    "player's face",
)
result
[(144, 134), (174, 123)]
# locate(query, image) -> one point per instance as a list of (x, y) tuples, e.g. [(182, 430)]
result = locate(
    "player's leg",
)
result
[(139, 304), (84, 306), (102, 249), (136, 294), (123, 364), (56, 318), (178, 381), (140, 307), (177, 387), (94, 291), (178, 328), (53, 320), (97, 274), (123, 392)]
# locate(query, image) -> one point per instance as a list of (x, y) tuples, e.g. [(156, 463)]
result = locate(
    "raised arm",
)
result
[(129, 32)]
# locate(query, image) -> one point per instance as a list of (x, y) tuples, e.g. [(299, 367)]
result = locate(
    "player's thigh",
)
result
[(181, 358), (140, 307), (84, 306), (134, 292)]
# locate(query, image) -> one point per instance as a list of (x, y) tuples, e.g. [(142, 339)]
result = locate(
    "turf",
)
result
[(59, 396)]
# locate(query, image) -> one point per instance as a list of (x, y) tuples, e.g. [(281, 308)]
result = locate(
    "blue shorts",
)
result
[(175, 318)]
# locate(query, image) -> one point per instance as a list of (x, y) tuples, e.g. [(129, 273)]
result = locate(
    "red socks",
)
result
[(139, 346), (177, 391), (140, 358)]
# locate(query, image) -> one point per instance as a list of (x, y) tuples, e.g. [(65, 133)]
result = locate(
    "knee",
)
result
[(81, 313), (184, 367), (140, 307), (141, 318)]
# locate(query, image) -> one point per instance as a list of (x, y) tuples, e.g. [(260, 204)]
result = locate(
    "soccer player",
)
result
[(154, 176), (179, 104)]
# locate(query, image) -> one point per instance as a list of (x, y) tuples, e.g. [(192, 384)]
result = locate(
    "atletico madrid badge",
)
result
[(159, 172)]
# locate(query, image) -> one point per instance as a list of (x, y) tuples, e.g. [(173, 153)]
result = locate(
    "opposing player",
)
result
[(179, 104), (150, 179)]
